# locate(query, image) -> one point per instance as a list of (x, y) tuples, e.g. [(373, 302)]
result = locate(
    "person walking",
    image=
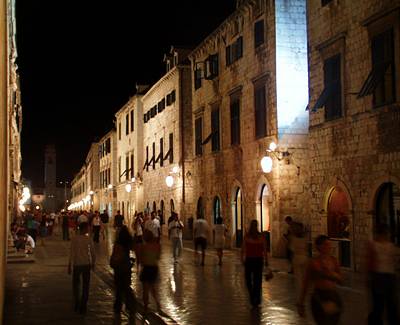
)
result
[(381, 255), (323, 272), (82, 258), (149, 256), (154, 226), (200, 235), (254, 256), (122, 267), (300, 258), (104, 220), (175, 229), (96, 227), (220, 231)]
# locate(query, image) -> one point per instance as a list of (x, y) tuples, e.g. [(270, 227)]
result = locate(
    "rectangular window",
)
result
[(215, 145), (145, 118), (147, 158), (383, 63), (332, 80), (161, 105), (119, 130), (132, 122), (228, 55), (197, 78), (198, 129), (127, 167), (171, 148), (258, 33), (154, 155), (119, 169), (108, 145), (325, 2), (161, 152), (260, 111), (127, 124), (238, 48), (173, 97), (235, 121), (132, 165), (169, 99), (212, 66)]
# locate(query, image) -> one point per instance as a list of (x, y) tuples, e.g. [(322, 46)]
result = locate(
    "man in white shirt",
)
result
[(175, 228), (154, 226), (29, 244), (83, 218), (200, 235)]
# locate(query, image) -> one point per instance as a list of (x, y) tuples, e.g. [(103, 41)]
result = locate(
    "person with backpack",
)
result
[(121, 263)]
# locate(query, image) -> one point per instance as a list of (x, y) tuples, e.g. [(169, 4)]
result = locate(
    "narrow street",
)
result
[(40, 292)]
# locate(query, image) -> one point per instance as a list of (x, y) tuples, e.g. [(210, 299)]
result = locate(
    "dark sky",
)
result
[(79, 61)]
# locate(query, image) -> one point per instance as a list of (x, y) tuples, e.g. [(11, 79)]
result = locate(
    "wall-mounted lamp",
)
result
[(128, 188), (110, 186), (266, 161), (169, 180)]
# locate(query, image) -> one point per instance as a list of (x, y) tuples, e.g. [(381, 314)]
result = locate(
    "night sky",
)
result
[(79, 62)]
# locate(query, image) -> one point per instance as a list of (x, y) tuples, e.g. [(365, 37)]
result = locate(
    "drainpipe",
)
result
[(181, 128)]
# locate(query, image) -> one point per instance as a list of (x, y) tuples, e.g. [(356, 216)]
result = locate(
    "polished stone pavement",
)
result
[(40, 292)]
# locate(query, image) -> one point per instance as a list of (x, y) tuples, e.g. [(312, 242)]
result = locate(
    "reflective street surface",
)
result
[(41, 292)]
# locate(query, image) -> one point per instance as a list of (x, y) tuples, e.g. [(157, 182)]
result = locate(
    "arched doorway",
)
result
[(123, 209), (238, 216), (172, 205), (200, 208), (388, 209), (162, 211), (264, 214), (338, 222), (216, 209), (154, 206)]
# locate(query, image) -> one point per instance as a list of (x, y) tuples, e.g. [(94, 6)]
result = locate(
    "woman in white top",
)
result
[(219, 238)]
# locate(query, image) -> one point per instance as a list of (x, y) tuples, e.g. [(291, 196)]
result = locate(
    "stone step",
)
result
[(20, 260)]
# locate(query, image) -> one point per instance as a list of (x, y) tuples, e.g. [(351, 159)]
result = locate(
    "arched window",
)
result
[(172, 205), (388, 209), (154, 206), (200, 208), (216, 209)]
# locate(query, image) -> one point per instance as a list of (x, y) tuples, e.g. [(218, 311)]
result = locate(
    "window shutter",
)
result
[(198, 136), (215, 145)]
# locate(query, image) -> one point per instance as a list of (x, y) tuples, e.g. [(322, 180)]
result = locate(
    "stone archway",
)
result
[(337, 206), (263, 204), (238, 227)]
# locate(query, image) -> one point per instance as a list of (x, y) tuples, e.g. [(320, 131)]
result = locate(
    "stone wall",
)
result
[(359, 151)]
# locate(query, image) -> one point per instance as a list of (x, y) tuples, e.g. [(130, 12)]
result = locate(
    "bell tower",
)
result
[(50, 177)]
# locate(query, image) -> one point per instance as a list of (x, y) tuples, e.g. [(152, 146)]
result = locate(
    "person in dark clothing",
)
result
[(122, 272), (65, 229), (254, 256), (118, 220)]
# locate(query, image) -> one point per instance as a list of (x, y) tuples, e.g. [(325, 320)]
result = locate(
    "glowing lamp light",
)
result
[(22, 208), (110, 186), (133, 180), (175, 169), (169, 180), (37, 207), (128, 188), (272, 146), (266, 164), (91, 192)]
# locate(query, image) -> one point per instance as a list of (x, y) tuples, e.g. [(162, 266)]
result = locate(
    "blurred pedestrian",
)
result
[(138, 235), (200, 235), (123, 271), (254, 256), (149, 256), (65, 226), (154, 226), (323, 272), (104, 220), (299, 247), (175, 229), (382, 278), (96, 227), (220, 231), (82, 258)]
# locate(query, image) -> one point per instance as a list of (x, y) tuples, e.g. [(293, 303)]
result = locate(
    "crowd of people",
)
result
[(140, 243)]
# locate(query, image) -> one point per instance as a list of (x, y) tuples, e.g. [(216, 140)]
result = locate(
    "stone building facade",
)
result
[(108, 173), (354, 121), (92, 172), (250, 89), (167, 149), (129, 122)]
